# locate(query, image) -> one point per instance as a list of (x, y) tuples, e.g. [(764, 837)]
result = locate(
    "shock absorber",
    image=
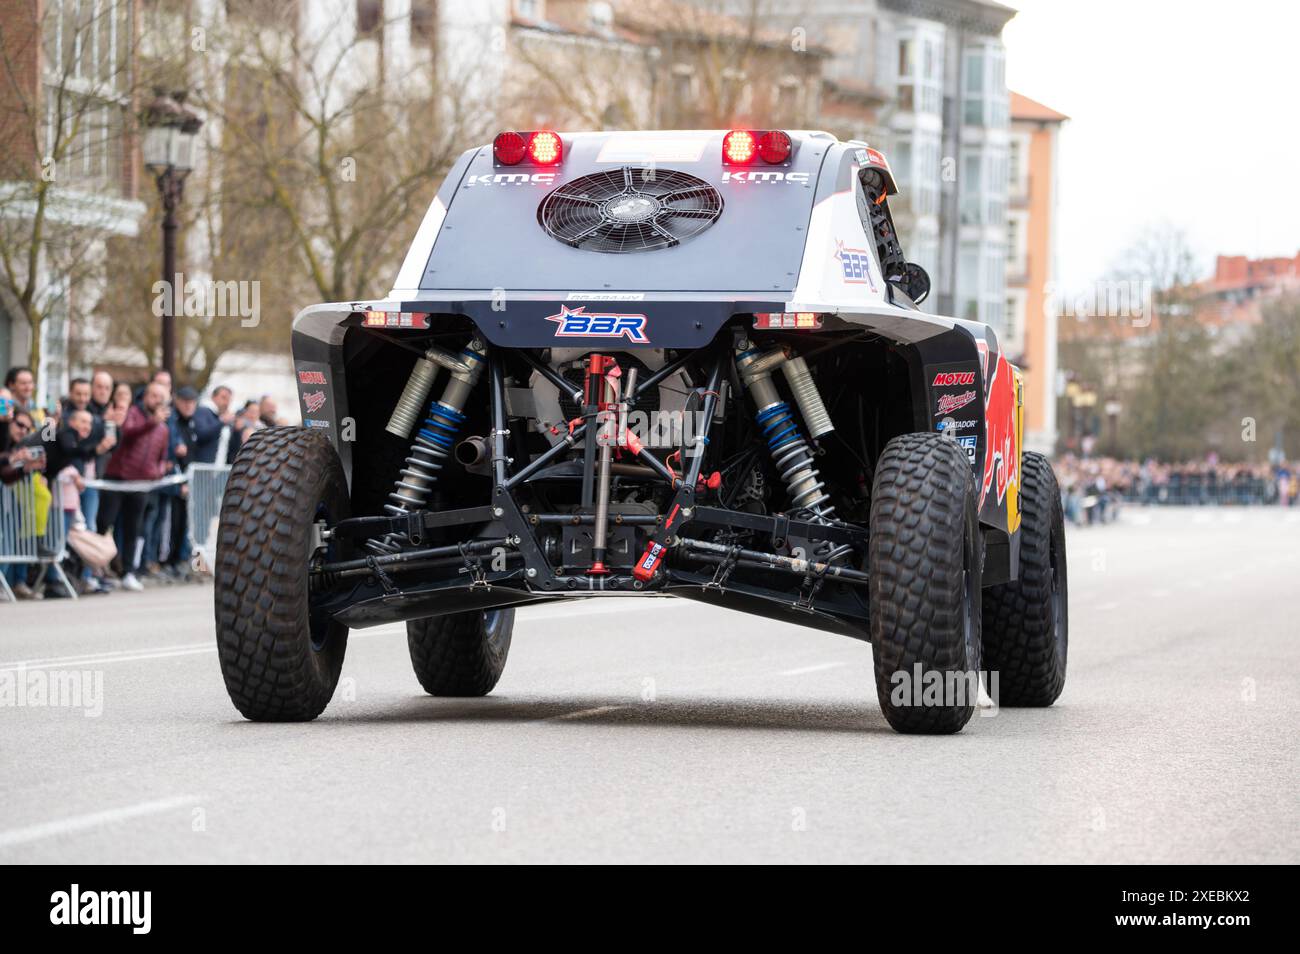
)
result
[(436, 436), (789, 449)]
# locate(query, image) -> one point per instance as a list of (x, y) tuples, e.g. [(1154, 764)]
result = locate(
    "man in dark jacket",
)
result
[(140, 456), (199, 429)]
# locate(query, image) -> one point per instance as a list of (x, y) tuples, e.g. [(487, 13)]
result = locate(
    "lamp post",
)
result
[(170, 133), (1113, 409)]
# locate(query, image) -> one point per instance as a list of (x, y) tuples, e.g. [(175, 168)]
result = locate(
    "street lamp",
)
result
[(170, 132), (1113, 409)]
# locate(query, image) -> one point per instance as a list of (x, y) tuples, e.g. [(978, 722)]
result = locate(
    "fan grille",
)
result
[(631, 209)]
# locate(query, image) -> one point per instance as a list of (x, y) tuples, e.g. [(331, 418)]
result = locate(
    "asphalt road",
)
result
[(665, 731)]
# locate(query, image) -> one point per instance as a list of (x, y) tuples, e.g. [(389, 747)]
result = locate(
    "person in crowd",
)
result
[(81, 397), (221, 404), (200, 427), (267, 411), (195, 438), (68, 456), (141, 455), (7, 409), (21, 385), (101, 392), (21, 453)]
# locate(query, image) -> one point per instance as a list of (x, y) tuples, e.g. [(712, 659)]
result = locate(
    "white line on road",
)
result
[(105, 658), (66, 826), (584, 713), (150, 652), (807, 669)]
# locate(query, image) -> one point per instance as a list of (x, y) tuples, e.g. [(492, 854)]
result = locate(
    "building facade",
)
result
[(1030, 331), (69, 166), (943, 63)]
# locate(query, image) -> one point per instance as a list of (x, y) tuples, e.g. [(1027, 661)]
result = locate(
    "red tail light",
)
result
[(509, 148), (738, 146), (741, 146), (774, 146), (545, 148), (541, 148)]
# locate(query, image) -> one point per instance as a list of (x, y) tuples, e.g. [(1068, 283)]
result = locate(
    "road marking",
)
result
[(66, 826), (85, 660), (597, 606), (105, 658), (584, 713), (807, 669)]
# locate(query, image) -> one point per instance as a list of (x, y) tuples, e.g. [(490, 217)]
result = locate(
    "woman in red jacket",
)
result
[(140, 455)]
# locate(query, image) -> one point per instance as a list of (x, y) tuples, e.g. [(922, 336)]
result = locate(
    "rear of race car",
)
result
[(683, 364)]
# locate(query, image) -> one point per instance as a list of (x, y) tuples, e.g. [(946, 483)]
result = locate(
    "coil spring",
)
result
[(793, 459), (433, 444)]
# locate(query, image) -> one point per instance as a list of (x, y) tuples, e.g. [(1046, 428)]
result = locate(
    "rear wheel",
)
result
[(280, 660), (1026, 631), (462, 654), (925, 566)]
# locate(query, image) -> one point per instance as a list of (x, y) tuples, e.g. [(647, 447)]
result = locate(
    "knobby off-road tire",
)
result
[(462, 654), (279, 664), (1026, 631), (926, 558)]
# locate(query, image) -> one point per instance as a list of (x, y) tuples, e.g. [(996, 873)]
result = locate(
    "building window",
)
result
[(996, 187), (972, 190), (735, 91), (370, 16), (529, 9), (901, 163), (984, 86), (905, 57), (973, 89), (787, 99), (424, 22), (683, 103), (85, 100), (920, 77)]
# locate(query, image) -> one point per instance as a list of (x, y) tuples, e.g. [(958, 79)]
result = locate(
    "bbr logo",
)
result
[(576, 323)]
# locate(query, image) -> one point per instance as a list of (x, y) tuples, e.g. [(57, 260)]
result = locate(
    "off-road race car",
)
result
[(649, 364)]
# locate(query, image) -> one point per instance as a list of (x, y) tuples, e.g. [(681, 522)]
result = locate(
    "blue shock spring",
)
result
[(793, 459)]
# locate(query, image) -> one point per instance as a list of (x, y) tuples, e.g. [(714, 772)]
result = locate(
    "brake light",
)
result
[(788, 321), (396, 319), (508, 148), (738, 146), (774, 146), (545, 148), (541, 147)]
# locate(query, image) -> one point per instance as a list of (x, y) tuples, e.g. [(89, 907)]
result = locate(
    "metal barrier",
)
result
[(1197, 491), (207, 485), (24, 539)]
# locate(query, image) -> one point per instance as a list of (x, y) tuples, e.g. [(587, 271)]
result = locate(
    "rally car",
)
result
[(649, 364)]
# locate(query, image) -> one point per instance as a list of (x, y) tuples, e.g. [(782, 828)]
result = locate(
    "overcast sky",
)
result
[(1182, 111)]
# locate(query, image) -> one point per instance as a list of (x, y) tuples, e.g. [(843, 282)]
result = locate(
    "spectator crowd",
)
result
[(1094, 488), (107, 434)]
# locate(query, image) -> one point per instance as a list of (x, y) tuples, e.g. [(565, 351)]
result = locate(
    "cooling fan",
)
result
[(631, 209)]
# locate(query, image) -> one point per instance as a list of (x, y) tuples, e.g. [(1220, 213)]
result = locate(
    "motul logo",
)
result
[(946, 379)]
